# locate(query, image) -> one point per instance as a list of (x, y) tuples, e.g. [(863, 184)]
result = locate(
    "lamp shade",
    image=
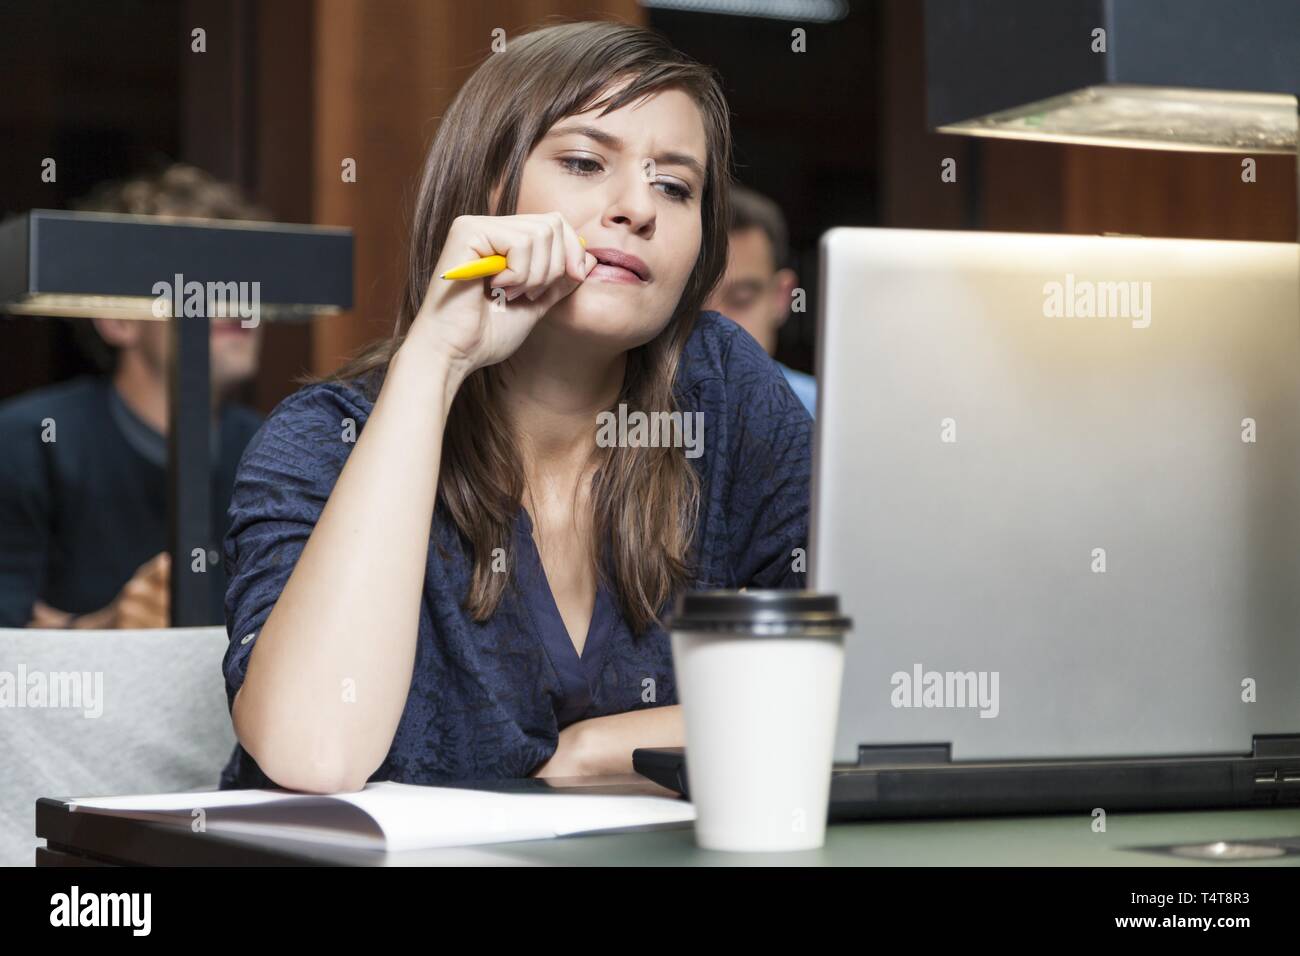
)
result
[(1173, 74), (109, 264)]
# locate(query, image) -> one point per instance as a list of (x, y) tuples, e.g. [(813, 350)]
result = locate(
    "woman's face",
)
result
[(631, 181)]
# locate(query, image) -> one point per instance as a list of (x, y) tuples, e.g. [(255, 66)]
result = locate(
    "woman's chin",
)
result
[(601, 316)]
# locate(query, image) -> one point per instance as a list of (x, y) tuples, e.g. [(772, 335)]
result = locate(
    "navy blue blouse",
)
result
[(487, 701)]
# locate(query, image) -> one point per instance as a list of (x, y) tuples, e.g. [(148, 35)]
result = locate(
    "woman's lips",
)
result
[(609, 273), (615, 265)]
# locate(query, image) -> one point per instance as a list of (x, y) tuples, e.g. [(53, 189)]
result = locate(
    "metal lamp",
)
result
[(186, 271), (1162, 74)]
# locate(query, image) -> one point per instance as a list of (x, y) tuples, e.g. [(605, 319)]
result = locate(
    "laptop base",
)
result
[(892, 782)]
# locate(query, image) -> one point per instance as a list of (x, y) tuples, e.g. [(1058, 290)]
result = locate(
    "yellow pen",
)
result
[(487, 266)]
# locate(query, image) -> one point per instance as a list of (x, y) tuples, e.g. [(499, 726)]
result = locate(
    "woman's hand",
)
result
[(472, 326), (142, 603), (570, 757), (602, 746)]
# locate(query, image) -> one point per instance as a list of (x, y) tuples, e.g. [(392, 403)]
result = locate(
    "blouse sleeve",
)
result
[(284, 479), (768, 499)]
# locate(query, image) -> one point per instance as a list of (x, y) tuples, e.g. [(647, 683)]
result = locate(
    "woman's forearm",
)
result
[(608, 742), (328, 678)]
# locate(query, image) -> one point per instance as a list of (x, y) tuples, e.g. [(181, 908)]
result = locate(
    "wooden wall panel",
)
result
[(283, 124), (1186, 195), (912, 193)]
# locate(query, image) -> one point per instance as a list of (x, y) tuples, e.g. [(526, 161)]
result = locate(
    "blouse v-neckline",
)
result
[(578, 672)]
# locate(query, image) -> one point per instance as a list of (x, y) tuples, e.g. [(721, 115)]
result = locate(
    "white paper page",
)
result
[(397, 816), (324, 836), (419, 817), (186, 801)]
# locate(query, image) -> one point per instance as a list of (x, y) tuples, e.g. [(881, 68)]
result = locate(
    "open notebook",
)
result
[(397, 816)]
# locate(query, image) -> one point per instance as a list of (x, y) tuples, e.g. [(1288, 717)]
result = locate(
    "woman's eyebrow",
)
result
[(611, 141)]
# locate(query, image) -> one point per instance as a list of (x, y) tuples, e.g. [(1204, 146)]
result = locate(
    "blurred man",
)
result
[(83, 496), (755, 290)]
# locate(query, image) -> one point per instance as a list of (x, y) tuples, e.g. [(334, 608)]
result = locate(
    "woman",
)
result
[(438, 573)]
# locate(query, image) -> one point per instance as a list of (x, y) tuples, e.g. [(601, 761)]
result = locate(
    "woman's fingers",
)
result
[(539, 266), (555, 257), (518, 253), (539, 249), (574, 254)]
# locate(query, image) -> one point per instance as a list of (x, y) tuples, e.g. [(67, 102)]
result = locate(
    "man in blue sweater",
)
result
[(755, 290), (83, 499)]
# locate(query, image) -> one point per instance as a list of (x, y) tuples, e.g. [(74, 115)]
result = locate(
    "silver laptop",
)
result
[(1057, 489)]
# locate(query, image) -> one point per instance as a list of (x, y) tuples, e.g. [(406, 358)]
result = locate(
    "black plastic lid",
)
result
[(759, 612)]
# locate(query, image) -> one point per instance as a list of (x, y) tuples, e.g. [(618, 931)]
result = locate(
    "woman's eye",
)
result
[(573, 165), (676, 192)]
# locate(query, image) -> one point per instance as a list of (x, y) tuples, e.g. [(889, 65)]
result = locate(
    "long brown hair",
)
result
[(645, 500)]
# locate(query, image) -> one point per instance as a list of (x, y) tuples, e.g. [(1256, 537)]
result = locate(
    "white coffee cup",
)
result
[(758, 676)]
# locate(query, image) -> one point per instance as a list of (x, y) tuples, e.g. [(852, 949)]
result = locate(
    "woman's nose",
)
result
[(632, 204)]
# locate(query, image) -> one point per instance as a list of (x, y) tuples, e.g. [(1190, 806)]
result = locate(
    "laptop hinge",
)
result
[(1275, 745), (874, 755)]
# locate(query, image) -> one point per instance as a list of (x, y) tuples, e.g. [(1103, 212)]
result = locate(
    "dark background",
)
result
[(836, 135)]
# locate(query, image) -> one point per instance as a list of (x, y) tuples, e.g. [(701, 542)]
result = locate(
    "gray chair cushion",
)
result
[(162, 723)]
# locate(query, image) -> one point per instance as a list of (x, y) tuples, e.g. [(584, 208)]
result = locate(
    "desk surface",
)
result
[(1057, 840)]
